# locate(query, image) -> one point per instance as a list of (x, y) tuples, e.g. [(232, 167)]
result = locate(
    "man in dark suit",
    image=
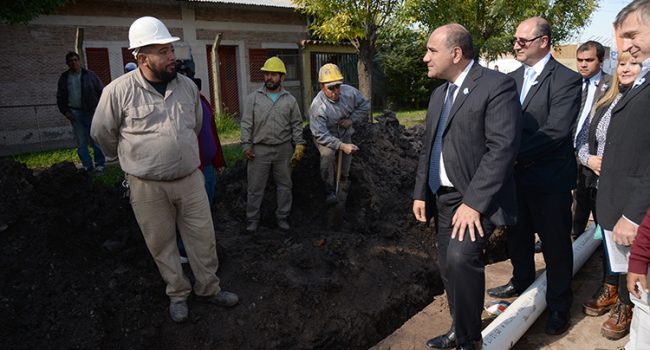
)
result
[(545, 172), (464, 178), (595, 82), (624, 184)]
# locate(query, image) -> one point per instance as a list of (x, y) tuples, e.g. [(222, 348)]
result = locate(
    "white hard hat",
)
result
[(148, 31)]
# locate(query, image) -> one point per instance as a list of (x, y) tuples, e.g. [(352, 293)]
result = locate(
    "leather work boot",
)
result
[(283, 224), (178, 311), (223, 298), (618, 324), (602, 301), (251, 226)]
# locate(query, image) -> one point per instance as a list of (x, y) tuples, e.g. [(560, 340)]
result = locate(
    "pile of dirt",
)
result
[(76, 273)]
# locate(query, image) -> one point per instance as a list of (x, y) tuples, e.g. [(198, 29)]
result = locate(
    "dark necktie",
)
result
[(585, 123), (436, 148), (585, 92)]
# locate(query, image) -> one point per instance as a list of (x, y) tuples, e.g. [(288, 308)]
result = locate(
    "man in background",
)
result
[(77, 95)]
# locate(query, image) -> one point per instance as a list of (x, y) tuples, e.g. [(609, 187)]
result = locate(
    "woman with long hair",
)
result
[(613, 294)]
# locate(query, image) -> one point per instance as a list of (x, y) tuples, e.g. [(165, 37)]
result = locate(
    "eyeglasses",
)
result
[(524, 42), (334, 87)]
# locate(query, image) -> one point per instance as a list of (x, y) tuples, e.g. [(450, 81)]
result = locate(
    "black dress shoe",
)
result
[(508, 290), (475, 345), (445, 341), (557, 323)]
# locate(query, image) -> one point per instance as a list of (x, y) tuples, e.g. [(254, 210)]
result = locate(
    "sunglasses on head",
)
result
[(334, 87)]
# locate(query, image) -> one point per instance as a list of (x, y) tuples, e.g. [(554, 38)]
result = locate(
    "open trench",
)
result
[(75, 273)]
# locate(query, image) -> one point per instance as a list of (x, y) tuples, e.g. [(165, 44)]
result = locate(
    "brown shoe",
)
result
[(602, 301), (618, 324)]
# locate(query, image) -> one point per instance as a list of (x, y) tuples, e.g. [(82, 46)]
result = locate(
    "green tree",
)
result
[(493, 23), (23, 11), (404, 75), (360, 22)]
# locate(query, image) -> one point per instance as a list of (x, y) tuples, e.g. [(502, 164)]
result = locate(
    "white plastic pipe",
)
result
[(508, 327)]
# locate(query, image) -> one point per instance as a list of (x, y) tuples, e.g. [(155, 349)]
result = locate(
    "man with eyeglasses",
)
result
[(151, 118), (545, 171), (332, 114)]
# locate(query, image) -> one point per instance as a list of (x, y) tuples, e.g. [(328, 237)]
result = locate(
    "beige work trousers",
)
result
[(159, 207), (274, 159)]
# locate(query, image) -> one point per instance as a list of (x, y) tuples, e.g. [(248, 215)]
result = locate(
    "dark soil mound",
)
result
[(75, 272)]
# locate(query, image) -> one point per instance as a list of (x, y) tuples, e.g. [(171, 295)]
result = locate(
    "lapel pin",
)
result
[(604, 87), (534, 83), (465, 91)]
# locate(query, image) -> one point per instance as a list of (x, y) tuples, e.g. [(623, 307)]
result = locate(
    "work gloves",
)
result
[(298, 153)]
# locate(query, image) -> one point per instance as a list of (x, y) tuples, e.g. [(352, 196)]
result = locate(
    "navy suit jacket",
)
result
[(480, 143), (546, 161), (624, 183)]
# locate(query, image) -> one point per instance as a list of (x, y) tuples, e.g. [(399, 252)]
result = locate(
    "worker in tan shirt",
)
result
[(150, 119)]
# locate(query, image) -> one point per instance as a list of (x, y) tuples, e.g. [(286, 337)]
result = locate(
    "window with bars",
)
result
[(257, 57)]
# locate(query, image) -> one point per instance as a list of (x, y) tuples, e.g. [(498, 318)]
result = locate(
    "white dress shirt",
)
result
[(586, 109), (444, 179)]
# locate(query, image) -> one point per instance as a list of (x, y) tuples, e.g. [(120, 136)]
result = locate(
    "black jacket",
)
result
[(91, 89), (480, 144), (546, 161), (624, 184)]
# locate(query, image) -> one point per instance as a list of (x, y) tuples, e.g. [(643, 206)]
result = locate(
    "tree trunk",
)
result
[(216, 77), (364, 69)]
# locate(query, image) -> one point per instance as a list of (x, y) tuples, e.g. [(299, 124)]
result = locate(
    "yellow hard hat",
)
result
[(329, 73), (274, 64)]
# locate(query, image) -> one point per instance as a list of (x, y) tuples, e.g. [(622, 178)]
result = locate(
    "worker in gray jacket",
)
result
[(332, 114), (271, 125)]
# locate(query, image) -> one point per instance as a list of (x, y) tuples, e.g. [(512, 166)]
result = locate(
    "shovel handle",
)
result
[(339, 163)]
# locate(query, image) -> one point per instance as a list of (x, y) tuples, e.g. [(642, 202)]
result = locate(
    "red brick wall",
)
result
[(33, 57)]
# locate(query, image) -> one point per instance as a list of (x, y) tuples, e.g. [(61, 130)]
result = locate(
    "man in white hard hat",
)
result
[(150, 118), (271, 126), (331, 116)]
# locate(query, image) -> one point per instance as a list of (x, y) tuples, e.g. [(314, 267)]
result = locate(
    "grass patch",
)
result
[(41, 160), (408, 118), (111, 176), (411, 118), (232, 152), (228, 128)]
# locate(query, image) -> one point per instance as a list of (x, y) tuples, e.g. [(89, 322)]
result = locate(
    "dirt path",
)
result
[(583, 334)]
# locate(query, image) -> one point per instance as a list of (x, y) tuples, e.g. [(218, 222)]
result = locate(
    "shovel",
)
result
[(336, 211), (339, 163)]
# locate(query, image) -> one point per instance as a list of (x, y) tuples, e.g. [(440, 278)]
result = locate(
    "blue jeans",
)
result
[(81, 128), (210, 178)]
